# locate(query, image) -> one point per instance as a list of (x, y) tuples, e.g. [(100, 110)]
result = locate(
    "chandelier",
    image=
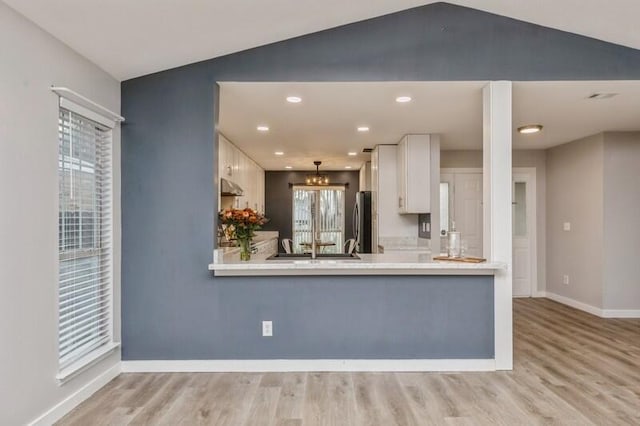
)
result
[(317, 179)]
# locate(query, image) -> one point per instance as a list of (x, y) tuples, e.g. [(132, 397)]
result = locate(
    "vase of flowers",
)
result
[(243, 222)]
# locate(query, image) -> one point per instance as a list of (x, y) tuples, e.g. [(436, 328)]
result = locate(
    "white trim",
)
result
[(593, 310), (497, 232), (574, 304), (621, 313), (66, 93), (87, 361), (529, 176), (306, 365), (72, 401)]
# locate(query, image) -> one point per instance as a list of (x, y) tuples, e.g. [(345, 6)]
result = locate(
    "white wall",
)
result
[(521, 158), (31, 62), (621, 221), (575, 195)]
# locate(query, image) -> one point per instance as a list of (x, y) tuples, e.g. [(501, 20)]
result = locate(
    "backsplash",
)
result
[(403, 242)]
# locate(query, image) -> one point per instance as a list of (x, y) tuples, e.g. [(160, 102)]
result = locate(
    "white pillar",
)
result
[(497, 210)]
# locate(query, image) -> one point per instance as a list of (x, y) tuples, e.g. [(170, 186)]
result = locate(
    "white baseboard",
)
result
[(602, 313), (72, 401), (621, 313), (575, 304), (302, 365), (540, 293)]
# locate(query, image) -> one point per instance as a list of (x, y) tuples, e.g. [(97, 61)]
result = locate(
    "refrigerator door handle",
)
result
[(356, 221)]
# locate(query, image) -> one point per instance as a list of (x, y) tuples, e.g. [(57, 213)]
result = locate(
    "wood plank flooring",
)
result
[(571, 368)]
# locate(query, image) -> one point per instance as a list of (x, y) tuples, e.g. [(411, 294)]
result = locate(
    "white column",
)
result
[(497, 210)]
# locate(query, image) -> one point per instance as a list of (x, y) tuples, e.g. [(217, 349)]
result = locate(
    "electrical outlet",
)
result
[(565, 279), (566, 226), (267, 328)]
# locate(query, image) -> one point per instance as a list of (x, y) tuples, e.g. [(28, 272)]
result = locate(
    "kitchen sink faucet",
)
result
[(314, 216)]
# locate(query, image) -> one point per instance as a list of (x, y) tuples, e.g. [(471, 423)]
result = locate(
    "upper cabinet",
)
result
[(236, 166), (417, 157), (365, 176)]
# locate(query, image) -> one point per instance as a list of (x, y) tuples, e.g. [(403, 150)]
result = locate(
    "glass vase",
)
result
[(245, 248)]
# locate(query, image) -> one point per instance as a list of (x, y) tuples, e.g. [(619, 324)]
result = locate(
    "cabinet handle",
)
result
[(400, 202), (229, 170)]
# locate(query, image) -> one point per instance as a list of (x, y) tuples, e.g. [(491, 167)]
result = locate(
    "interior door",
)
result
[(522, 230), (467, 210)]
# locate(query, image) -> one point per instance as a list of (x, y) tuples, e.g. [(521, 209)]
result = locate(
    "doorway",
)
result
[(525, 274), (464, 200), (461, 204), (330, 221)]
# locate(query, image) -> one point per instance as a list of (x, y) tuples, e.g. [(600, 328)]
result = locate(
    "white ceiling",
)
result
[(323, 126), (130, 38)]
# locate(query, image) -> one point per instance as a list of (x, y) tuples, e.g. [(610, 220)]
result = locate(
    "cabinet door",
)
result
[(252, 171), (374, 200), (225, 157), (260, 191), (414, 174), (234, 162), (402, 174)]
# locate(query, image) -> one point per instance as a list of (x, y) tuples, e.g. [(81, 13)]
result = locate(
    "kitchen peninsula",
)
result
[(366, 264), (382, 312)]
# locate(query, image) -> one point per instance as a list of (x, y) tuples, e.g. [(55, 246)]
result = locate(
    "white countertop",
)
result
[(370, 264), (260, 237)]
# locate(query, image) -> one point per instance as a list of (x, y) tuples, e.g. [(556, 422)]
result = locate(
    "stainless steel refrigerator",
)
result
[(362, 232)]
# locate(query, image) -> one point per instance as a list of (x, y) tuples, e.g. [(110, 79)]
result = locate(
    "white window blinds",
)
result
[(329, 223), (85, 279)]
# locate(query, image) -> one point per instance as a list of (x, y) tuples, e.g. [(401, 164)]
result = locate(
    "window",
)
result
[(329, 224), (84, 237)]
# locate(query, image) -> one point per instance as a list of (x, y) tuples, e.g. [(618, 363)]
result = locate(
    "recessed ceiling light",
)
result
[(288, 167), (347, 167), (352, 153), (294, 99), (403, 99), (263, 128), (363, 129), (530, 128), (279, 153)]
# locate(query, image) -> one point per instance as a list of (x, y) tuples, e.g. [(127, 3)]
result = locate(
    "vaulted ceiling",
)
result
[(130, 38)]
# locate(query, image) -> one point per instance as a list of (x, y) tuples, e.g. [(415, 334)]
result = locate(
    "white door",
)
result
[(523, 235), (467, 210), (462, 188)]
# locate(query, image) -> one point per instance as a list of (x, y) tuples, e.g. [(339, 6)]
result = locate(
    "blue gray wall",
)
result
[(172, 307)]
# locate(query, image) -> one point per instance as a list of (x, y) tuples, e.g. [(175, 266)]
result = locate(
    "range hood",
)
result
[(229, 188)]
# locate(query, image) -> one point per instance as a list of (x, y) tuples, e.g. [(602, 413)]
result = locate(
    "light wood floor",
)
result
[(570, 368)]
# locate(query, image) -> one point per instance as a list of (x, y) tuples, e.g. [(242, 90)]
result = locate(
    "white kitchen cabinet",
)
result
[(261, 191), (365, 176), (225, 158), (252, 185), (237, 167), (374, 200), (387, 222), (414, 168), (266, 248)]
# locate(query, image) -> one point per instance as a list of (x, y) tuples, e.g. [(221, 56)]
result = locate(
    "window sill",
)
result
[(82, 364)]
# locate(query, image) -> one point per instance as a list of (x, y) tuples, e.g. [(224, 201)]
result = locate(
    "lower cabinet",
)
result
[(266, 248)]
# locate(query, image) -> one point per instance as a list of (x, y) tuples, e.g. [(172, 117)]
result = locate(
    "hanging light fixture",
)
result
[(317, 179)]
